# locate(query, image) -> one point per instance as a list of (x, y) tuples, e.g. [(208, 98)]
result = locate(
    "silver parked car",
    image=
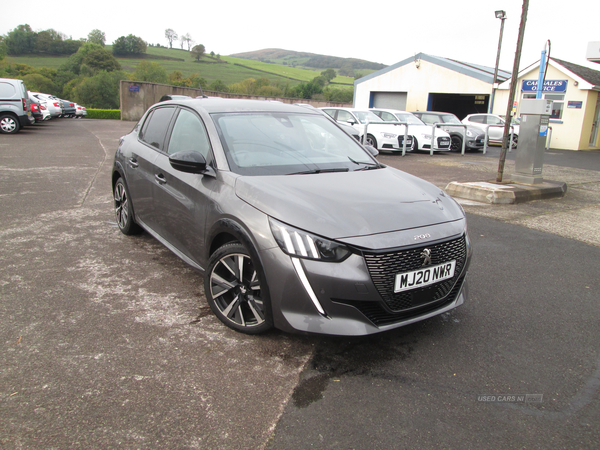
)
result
[(293, 222), (475, 136), (495, 125)]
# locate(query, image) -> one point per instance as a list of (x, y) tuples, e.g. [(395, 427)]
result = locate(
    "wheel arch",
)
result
[(228, 230)]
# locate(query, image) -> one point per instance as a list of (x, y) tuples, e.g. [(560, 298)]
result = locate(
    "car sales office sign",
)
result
[(559, 86)]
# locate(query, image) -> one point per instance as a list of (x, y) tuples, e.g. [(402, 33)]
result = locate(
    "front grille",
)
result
[(380, 316), (443, 142), (409, 140), (383, 268)]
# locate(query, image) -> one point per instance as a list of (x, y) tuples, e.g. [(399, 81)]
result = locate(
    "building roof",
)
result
[(590, 75), (480, 72)]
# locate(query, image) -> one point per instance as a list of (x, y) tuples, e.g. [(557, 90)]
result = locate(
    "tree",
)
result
[(218, 86), (329, 75), (2, 48), (100, 91), (20, 41), (198, 51), (150, 71), (171, 36), (130, 45), (93, 56), (38, 83), (187, 39), (97, 37)]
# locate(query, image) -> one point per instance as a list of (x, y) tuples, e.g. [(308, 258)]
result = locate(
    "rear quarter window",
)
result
[(155, 127)]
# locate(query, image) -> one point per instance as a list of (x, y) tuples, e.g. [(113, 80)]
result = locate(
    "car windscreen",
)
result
[(367, 116), (409, 119), (271, 143), (451, 119)]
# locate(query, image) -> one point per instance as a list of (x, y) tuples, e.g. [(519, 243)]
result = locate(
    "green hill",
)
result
[(228, 69), (310, 61)]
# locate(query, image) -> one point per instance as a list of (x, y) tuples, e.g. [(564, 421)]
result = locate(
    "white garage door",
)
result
[(390, 100)]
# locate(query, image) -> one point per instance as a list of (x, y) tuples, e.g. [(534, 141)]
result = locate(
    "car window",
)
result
[(330, 112), (155, 127), (430, 118), (477, 119), (491, 120), (345, 116), (189, 134), (387, 116)]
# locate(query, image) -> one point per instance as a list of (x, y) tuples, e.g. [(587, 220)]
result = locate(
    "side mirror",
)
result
[(372, 150), (188, 161)]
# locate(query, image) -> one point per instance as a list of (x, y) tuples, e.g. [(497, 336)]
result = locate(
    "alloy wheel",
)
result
[(236, 292)]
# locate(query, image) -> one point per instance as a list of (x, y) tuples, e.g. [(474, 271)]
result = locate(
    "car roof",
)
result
[(226, 105), (390, 110), (433, 112)]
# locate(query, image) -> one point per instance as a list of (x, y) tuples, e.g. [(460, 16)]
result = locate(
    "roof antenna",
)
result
[(201, 91)]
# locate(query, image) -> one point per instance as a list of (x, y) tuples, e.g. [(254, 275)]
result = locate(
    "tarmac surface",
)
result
[(108, 341)]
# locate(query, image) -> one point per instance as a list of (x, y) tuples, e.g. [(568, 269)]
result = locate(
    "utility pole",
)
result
[(511, 97), (502, 16)]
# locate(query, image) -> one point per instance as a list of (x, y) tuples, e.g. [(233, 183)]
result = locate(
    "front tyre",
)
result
[(371, 141), (236, 291), (456, 143), (123, 209)]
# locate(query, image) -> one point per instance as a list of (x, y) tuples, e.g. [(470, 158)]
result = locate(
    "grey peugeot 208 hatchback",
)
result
[(293, 223)]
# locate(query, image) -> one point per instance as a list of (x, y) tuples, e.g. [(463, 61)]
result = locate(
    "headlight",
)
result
[(389, 135), (301, 244), (470, 133)]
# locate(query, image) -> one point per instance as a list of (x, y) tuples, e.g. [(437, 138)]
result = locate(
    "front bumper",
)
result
[(475, 143), (355, 296), (395, 144), (443, 143)]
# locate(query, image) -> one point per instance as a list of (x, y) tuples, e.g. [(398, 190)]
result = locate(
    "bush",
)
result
[(103, 114)]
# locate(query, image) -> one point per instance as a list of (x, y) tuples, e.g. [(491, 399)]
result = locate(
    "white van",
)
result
[(14, 105)]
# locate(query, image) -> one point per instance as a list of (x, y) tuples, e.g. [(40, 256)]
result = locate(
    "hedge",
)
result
[(103, 114)]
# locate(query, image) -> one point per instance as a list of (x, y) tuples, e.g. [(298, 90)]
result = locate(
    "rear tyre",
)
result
[(9, 124), (236, 291), (123, 209)]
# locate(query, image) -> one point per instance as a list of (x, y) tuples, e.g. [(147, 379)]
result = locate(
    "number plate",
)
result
[(424, 276)]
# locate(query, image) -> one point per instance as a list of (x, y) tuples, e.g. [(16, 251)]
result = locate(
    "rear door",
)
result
[(141, 160)]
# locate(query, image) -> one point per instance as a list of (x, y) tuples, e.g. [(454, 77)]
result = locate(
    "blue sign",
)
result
[(575, 105), (549, 86), (133, 88)]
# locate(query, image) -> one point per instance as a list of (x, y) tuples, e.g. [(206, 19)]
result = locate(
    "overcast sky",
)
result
[(385, 31)]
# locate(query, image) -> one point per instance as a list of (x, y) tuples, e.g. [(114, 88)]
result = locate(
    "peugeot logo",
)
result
[(426, 255)]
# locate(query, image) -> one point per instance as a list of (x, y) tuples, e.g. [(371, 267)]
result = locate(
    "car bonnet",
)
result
[(349, 204)]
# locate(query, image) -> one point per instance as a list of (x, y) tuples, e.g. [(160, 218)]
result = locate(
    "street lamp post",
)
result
[(502, 16)]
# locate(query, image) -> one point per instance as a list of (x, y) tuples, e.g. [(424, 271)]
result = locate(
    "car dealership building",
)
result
[(431, 83)]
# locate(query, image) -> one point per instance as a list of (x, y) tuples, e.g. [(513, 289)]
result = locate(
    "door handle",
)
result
[(133, 162), (160, 178)]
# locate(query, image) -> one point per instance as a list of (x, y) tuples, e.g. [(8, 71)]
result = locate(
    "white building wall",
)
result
[(418, 82), (567, 133)]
